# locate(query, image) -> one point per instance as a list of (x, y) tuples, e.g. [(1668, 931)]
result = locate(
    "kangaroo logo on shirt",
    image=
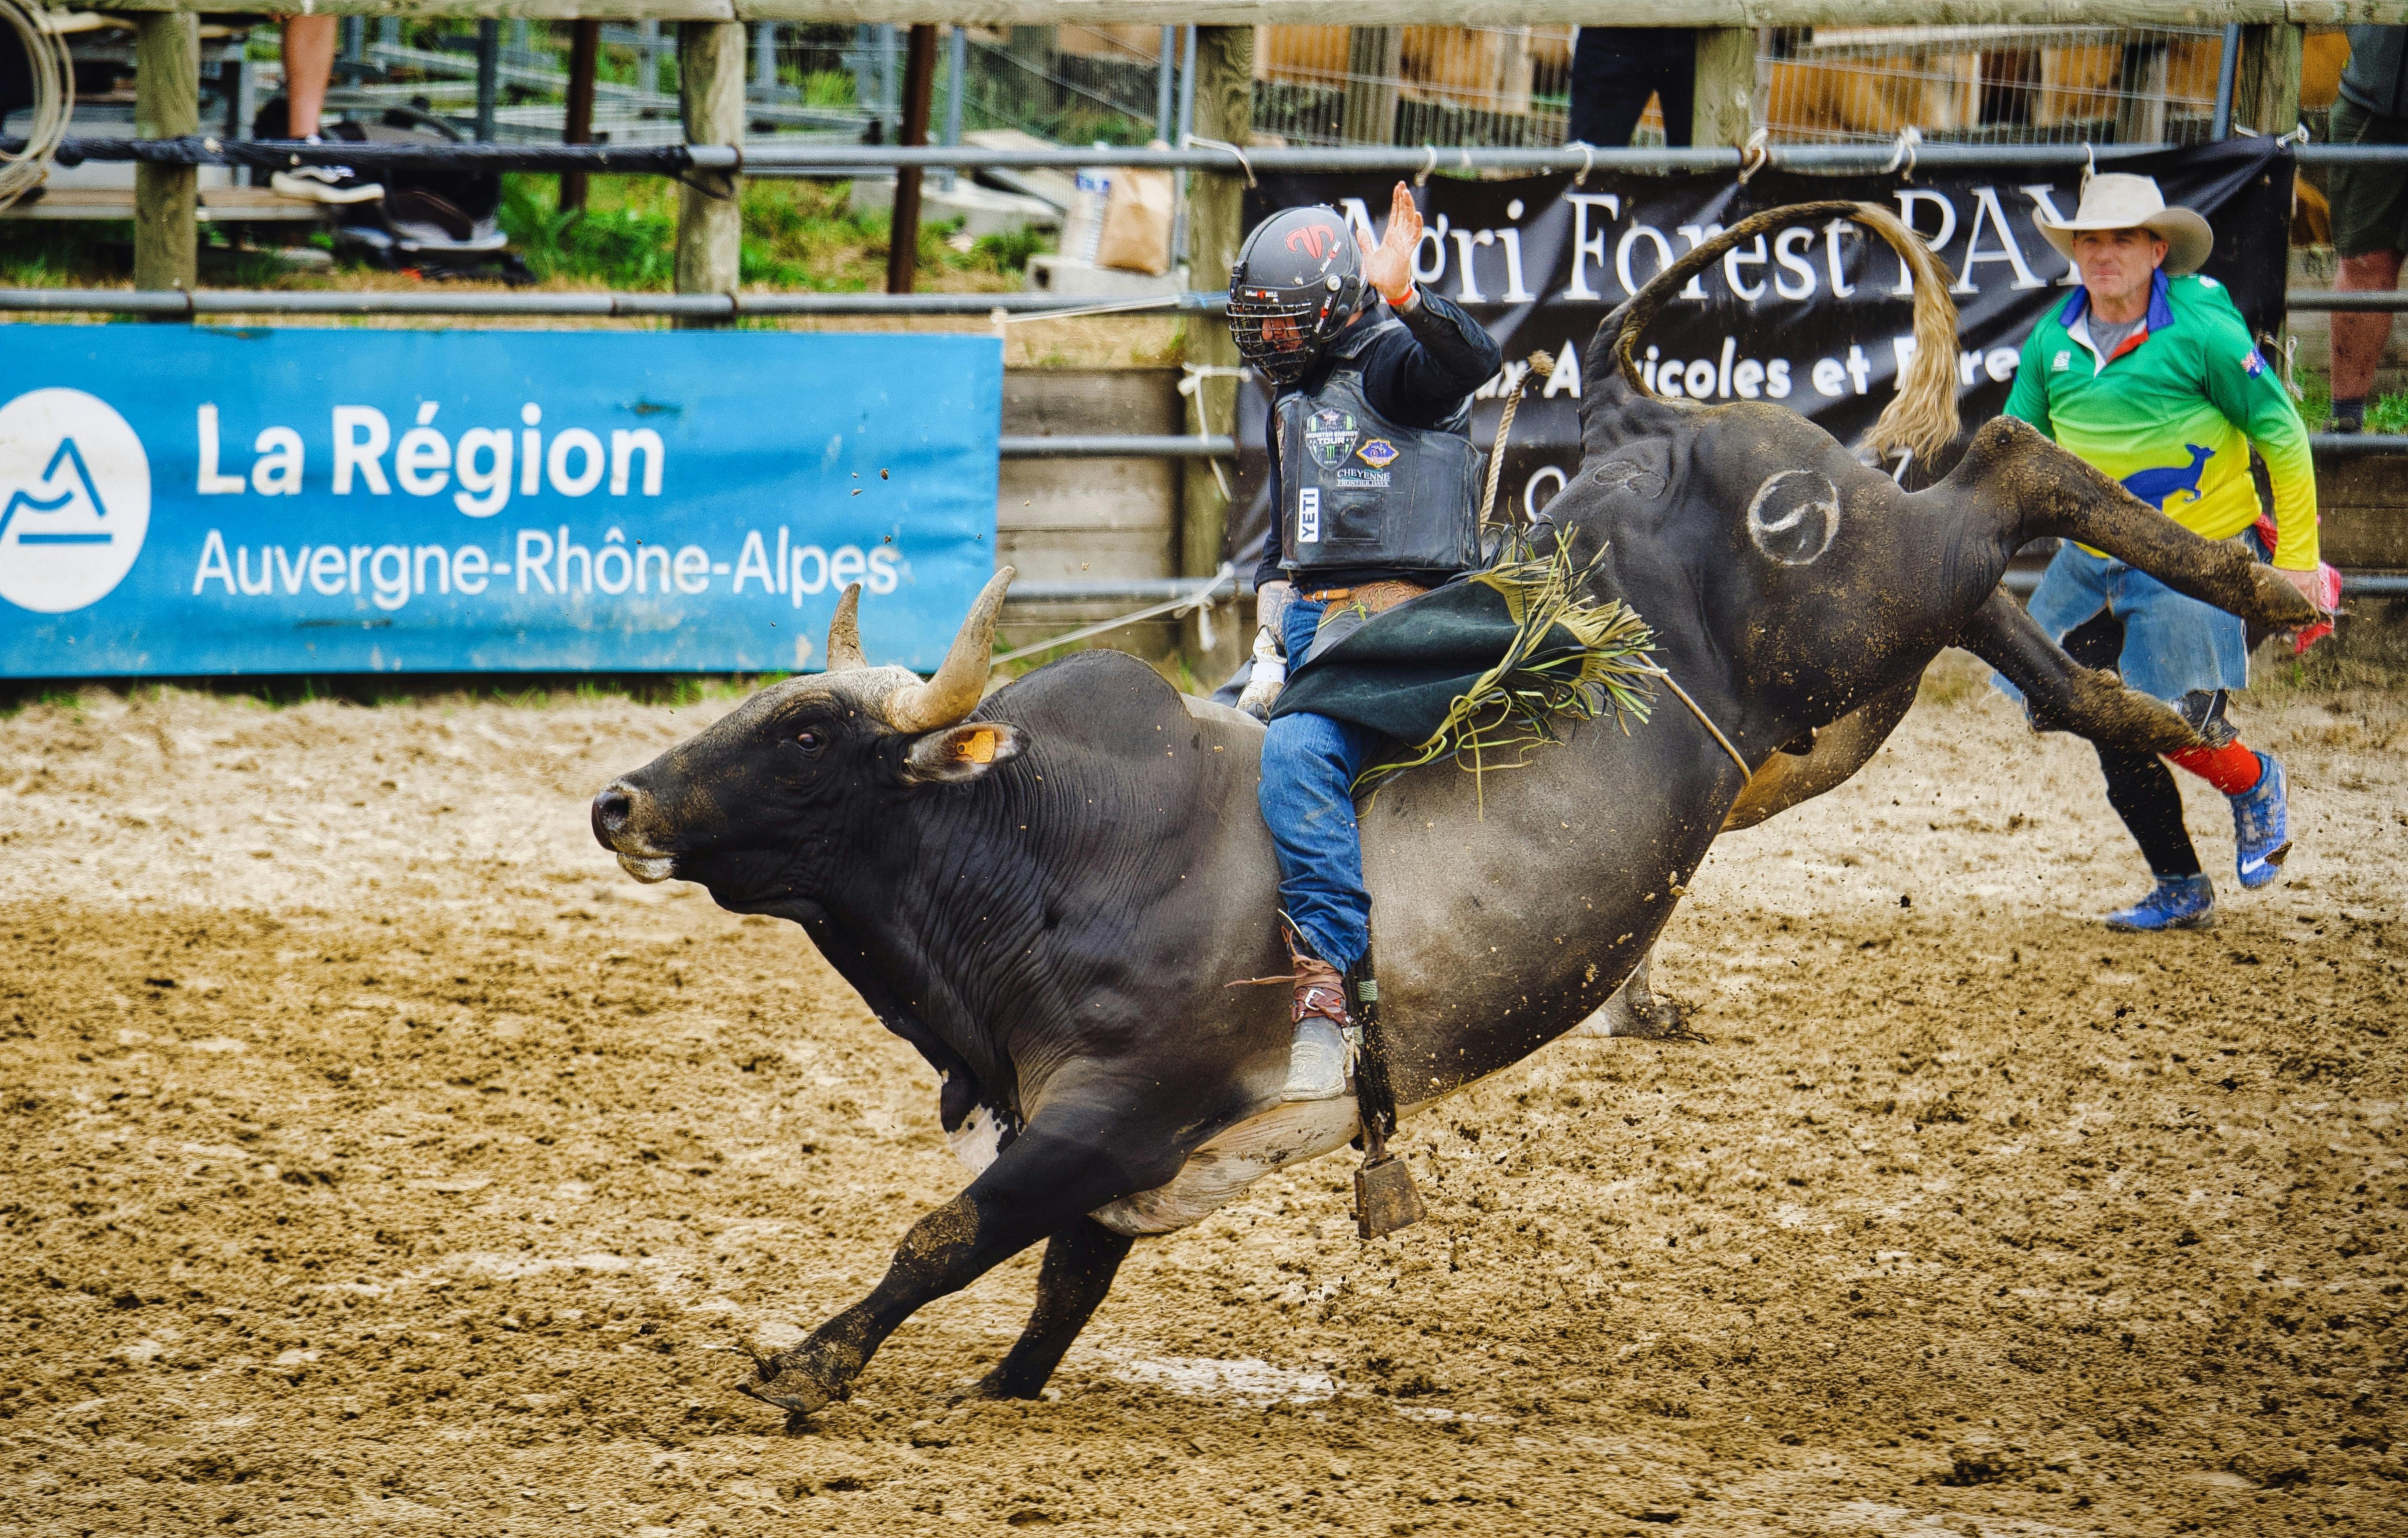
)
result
[(2158, 484)]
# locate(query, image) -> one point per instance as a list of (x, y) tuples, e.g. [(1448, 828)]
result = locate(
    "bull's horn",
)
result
[(844, 633), (955, 691)]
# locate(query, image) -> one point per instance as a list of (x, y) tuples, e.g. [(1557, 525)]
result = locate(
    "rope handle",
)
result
[(1543, 366)]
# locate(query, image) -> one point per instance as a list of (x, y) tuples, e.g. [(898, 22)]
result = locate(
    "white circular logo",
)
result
[(74, 500), (1795, 516)]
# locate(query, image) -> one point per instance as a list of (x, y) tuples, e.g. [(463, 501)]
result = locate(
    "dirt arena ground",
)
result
[(381, 1158)]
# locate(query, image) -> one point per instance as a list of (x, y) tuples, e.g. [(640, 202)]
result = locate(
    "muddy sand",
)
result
[(380, 1158)]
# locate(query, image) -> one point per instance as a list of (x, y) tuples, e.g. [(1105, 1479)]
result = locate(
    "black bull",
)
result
[(1048, 892)]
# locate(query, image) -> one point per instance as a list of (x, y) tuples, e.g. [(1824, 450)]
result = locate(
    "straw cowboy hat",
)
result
[(2113, 200)]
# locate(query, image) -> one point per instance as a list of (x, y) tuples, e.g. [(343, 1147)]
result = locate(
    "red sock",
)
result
[(2232, 769)]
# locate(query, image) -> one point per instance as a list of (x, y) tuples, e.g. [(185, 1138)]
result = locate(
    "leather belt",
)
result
[(1375, 597)]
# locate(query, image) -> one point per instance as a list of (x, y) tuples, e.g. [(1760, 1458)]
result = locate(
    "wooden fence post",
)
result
[(711, 228), (166, 105), (1375, 57), (2266, 93), (584, 62), (903, 225), (1723, 113), (1216, 214)]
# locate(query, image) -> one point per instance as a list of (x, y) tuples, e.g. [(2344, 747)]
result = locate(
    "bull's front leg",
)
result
[(1076, 1153), (2090, 703), (1080, 1263)]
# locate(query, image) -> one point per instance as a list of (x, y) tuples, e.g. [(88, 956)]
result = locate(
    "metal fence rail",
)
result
[(772, 158)]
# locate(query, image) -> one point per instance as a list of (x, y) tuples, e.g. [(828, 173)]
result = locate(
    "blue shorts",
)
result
[(2172, 646)]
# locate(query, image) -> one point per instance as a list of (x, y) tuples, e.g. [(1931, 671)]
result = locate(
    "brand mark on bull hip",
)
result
[(74, 500), (1794, 517)]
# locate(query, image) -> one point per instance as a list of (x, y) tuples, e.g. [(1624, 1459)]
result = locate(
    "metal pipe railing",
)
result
[(773, 158), (1110, 446), (553, 304)]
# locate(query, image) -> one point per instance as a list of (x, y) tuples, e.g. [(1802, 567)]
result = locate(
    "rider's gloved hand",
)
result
[(1270, 672)]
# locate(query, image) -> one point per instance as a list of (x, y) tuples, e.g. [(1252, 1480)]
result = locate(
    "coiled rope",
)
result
[(46, 53)]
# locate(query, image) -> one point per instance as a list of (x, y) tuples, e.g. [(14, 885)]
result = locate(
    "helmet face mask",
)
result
[(1297, 282)]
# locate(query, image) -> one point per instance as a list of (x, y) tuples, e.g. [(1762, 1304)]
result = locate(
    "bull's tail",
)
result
[(1922, 418)]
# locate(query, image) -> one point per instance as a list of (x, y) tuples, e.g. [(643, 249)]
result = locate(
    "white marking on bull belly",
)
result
[(1234, 1159), (977, 1140)]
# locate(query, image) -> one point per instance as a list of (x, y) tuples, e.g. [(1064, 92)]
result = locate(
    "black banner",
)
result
[(1816, 317)]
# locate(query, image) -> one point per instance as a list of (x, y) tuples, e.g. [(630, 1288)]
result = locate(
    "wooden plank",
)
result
[(218, 205), (1224, 110), (711, 231), (1722, 111), (166, 105), (1496, 13)]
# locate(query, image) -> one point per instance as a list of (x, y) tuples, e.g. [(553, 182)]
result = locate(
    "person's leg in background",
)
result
[(1676, 83), (308, 65), (1616, 69), (2370, 219), (309, 44), (2142, 793), (2253, 782)]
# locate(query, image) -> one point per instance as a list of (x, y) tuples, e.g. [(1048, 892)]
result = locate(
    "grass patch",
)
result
[(2388, 414), (797, 234)]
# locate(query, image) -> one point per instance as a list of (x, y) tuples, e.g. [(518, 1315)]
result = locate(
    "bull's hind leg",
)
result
[(1089, 1147), (1079, 1262), (2092, 704), (2030, 487)]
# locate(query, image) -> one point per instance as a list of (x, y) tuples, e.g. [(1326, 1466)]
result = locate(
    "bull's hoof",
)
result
[(799, 1404), (1657, 1018), (766, 1365), (999, 1385)]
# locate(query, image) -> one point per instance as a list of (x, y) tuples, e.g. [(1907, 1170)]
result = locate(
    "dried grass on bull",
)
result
[(1511, 710)]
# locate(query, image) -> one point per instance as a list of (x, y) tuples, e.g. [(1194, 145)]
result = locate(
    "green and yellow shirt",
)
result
[(2173, 413)]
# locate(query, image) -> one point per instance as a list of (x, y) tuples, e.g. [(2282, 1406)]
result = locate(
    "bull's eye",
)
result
[(811, 742)]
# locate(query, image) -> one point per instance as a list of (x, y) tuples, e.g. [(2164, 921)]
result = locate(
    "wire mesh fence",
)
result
[(1413, 85), (1989, 85), (1335, 85)]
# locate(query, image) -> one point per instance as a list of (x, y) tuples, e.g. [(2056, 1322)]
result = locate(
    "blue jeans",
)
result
[(1308, 798), (2172, 646)]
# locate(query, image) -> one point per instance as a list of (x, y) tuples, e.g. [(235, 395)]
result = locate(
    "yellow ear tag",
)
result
[(978, 748)]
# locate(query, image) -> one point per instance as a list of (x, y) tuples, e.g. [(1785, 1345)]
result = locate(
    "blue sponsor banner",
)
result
[(190, 500)]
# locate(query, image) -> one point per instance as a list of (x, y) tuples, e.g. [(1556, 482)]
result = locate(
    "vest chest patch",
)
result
[(1379, 453), (1329, 436)]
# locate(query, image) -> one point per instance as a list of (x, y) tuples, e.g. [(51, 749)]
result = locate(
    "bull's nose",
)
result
[(611, 809)]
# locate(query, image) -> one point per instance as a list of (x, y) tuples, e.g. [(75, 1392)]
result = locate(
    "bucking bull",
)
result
[(1048, 890)]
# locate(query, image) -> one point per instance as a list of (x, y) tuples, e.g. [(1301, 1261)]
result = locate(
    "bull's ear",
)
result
[(954, 755)]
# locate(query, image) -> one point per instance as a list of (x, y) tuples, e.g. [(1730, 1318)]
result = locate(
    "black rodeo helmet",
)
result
[(1300, 266)]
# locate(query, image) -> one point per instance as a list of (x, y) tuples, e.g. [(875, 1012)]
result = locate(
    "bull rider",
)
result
[(1374, 487), (2148, 373)]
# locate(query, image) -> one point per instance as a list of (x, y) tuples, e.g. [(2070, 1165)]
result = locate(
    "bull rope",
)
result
[(1543, 366), (1649, 666)]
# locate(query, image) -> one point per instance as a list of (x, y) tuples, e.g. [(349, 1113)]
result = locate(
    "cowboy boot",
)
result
[(1323, 1051)]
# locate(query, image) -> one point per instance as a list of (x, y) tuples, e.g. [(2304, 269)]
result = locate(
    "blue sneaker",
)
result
[(2261, 824), (2178, 902)]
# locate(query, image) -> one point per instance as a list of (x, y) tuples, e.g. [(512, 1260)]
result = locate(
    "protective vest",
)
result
[(1364, 494)]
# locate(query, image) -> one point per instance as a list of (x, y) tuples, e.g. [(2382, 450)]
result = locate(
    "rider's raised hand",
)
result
[(1389, 264)]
